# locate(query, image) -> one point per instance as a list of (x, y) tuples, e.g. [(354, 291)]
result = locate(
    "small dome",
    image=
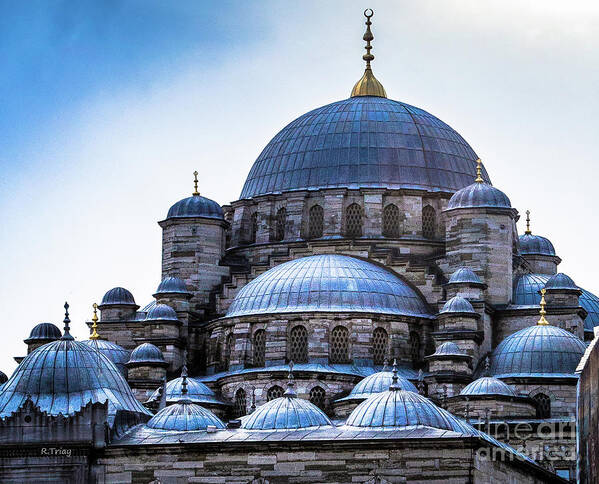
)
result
[(457, 304), (541, 350), (398, 408), (162, 312), (380, 382), (146, 353), (488, 386), (448, 348), (561, 281), (286, 413), (115, 353), (196, 206), (197, 392), (529, 244), (479, 195), (464, 275), (118, 296), (172, 285), (3, 378), (328, 283), (184, 416), (147, 307), (44, 332)]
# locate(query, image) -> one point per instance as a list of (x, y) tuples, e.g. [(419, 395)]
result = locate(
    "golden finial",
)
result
[(95, 334), (542, 312), (368, 85), (195, 183), (528, 232), (479, 171)]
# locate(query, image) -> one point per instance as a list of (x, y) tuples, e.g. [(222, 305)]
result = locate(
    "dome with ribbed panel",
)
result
[(118, 296), (196, 206), (561, 281), (464, 275), (162, 312), (487, 385), (328, 283), (363, 142), (529, 244), (115, 353), (380, 382), (457, 304), (479, 195), (44, 332), (185, 416), (172, 285), (197, 392), (146, 353)]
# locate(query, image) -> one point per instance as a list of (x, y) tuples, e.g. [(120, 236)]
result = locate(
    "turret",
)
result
[(117, 304), (146, 370), (538, 251), (163, 329)]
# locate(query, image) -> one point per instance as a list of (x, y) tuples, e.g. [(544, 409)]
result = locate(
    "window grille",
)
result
[(543, 405), (353, 221), (253, 227), (280, 221), (380, 340), (339, 351), (391, 220), (259, 348), (298, 345), (274, 392), (429, 222), (240, 406), (317, 397), (415, 347), (315, 222)]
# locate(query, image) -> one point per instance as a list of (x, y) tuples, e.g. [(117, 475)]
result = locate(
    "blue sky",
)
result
[(106, 108)]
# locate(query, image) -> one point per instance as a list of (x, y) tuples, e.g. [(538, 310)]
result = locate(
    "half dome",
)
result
[(184, 416), (196, 206), (360, 142), (328, 283), (541, 350)]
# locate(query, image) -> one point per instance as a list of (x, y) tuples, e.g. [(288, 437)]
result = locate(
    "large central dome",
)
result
[(364, 141)]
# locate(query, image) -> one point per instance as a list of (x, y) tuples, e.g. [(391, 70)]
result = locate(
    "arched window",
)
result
[(240, 405), (253, 227), (391, 221), (228, 350), (380, 341), (415, 347), (259, 348), (543, 405), (339, 350), (317, 397), (274, 392), (315, 222), (298, 345), (280, 222), (353, 221), (429, 222)]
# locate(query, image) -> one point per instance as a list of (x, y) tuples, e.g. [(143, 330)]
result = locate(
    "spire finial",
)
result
[(368, 85), (421, 385), (479, 171), (253, 407), (487, 365), (394, 381), (528, 232), (195, 183), (95, 334), (67, 321), (385, 364), (290, 392), (542, 312)]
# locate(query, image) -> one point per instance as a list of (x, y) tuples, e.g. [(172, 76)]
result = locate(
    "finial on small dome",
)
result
[(479, 171), (542, 312), (253, 406), (527, 231), (394, 380), (487, 365), (67, 321), (368, 85), (421, 385), (95, 334), (385, 364), (290, 392), (195, 183)]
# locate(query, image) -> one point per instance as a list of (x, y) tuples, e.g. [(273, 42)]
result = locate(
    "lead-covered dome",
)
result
[(487, 385), (184, 416), (541, 350), (118, 296), (479, 195), (44, 332), (146, 353), (197, 392), (464, 275), (457, 304), (379, 382), (196, 206), (329, 283), (363, 141), (529, 244), (115, 353), (162, 312), (171, 285)]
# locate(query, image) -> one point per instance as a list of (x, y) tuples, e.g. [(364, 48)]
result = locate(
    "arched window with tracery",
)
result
[(339, 345), (315, 222), (317, 397), (273, 392), (353, 221), (228, 350), (543, 405), (253, 227), (429, 222), (391, 221), (380, 341), (280, 222), (298, 344), (240, 405), (415, 347), (259, 356)]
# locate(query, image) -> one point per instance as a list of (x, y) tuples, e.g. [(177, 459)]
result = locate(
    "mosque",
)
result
[(366, 312)]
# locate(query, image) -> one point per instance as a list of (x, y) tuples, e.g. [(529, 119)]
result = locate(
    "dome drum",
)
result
[(494, 405)]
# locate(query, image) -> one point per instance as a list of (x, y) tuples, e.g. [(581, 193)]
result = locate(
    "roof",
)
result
[(184, 416), (196, 206), (529, 244), (376, 383), (561, 281), (172, 285), (44, 332), (162, 312), (328, 283), (539, 351), (197, 392), (363, 141), (146, 353), (448, 348), (118, 296), (457, 304), (487, 385), (115, 353), (286, 413), (479, 195), (464, 275)]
